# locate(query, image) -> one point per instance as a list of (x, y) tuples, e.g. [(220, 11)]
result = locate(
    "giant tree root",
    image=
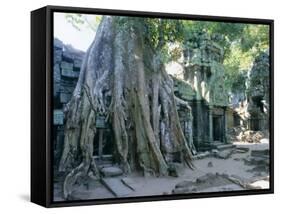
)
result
[(125, 80)]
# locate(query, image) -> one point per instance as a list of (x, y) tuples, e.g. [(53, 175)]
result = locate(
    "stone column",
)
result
[(210, 124), (100, 144), (199, 124), (225, 125)]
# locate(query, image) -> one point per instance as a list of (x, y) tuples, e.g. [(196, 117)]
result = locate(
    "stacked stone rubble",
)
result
[(204, 73), (66, 68), (258, 93)]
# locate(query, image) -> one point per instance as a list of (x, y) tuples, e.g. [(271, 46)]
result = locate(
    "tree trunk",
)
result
[(123, 79)]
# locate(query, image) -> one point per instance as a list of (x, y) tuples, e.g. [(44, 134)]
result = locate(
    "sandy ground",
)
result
[(146, 186)]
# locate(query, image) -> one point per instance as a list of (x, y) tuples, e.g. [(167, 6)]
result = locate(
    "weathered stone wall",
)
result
[(66, 69), (204, 70), (258, 93), (204, 90)]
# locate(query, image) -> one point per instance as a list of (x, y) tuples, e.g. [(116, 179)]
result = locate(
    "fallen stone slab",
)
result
[(225, 146), (260, 153), (201, 155), (209, 178), (225, 154), (256, 161), (215, 181), (184, 187), (184, 184), (241, 182), (116, 186), (242, 150), (214, 152), (129, 182), (227, 187), (111, 171), (190, 189)]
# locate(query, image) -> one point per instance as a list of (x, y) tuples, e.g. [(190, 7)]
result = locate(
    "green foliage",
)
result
[(255, 39), (241, 43), (242, 53), (79, 21), (157, 33)]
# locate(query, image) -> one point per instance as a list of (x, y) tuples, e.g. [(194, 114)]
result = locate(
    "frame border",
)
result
[(50, 10)]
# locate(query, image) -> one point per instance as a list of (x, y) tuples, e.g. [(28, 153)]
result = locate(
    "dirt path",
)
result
[(238, 165)]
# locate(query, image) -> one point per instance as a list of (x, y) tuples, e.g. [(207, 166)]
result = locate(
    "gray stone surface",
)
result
[(116, 186), (225, 154), (66, 69), (201, 155), (209, 182), (260, 153), (111, 171), (225, 146), (129, 182), (242, 150)]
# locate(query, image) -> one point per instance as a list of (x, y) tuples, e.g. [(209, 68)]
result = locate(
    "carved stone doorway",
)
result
[(218, 128)]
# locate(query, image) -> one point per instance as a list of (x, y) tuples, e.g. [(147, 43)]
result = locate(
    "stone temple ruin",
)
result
[(206, 123), (67, 64), (210, 116), (250, 109), (202, 86), (258, 94)]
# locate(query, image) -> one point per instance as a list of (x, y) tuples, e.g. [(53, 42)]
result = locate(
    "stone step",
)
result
[(116, 186), (260, 153), (104, 158), (201, 155), (104, 161), (111, 171), (224, 146)]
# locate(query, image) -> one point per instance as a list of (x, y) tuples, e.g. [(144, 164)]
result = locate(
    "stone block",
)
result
[(58, 117), (111, 171)]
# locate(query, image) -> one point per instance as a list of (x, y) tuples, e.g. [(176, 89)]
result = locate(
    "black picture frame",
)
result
[(41, 105)]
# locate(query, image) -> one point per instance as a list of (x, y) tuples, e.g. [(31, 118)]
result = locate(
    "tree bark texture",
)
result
[(125, 81)]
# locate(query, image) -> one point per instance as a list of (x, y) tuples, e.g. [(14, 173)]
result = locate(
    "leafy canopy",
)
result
[(241, 43)]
